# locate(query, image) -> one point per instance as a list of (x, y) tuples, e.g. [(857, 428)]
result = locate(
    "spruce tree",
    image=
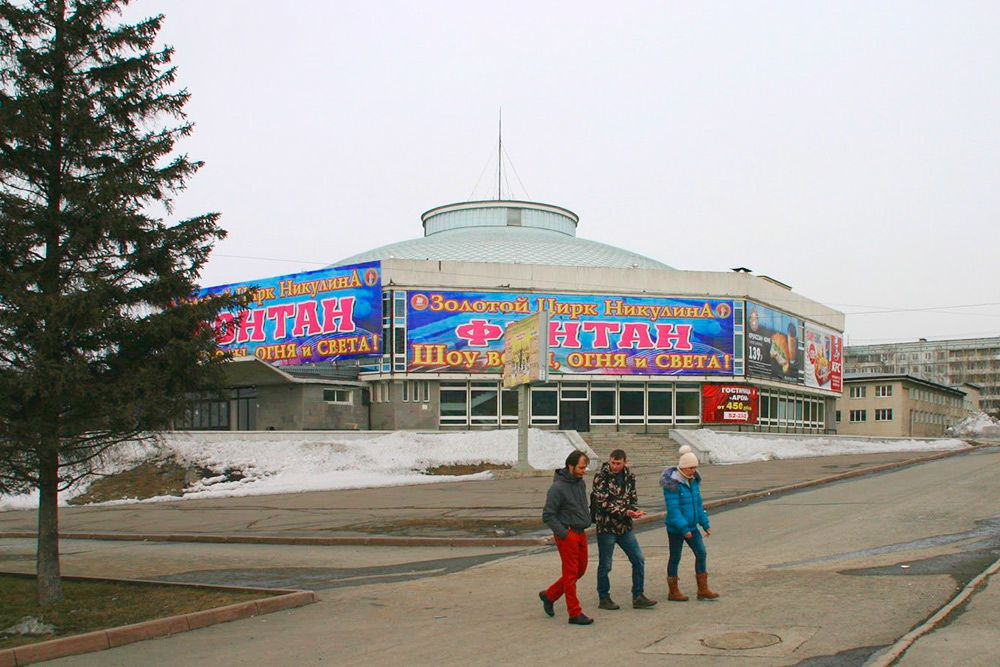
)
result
[(98, 341)]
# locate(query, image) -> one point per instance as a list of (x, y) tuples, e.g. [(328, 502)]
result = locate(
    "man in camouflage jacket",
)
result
[(614, 505)]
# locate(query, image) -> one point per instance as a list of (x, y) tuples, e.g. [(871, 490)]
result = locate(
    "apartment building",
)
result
[(891, 405), (947, 362)]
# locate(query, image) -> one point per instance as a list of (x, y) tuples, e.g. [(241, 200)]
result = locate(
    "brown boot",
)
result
[(675, 590), (704, 593)]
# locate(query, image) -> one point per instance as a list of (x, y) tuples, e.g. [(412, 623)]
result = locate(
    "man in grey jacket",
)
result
[(566, 513)]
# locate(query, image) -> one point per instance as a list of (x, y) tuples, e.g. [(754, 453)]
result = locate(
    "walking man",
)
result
[(614, 504), (567, 515)]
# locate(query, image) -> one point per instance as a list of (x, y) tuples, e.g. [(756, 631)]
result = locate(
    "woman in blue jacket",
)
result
[(685, 512)]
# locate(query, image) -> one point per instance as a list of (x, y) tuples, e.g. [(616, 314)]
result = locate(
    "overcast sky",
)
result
[(848, 149)]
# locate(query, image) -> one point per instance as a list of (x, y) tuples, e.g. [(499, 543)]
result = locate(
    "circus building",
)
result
[(410, 336)]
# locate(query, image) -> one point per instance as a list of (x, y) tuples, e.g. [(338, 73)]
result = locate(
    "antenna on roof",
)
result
[(500, 157)]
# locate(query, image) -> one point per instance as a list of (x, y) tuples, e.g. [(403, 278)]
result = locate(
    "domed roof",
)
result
[(508, 232)]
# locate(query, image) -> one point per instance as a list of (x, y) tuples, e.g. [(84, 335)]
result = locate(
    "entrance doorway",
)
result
[(574, 416)]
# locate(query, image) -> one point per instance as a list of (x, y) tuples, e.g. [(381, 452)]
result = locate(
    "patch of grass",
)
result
[(466, 469), (148, 480), (93, 606)]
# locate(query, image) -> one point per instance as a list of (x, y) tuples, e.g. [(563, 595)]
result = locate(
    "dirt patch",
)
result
[(148, 480), (92, 606), (166, 477), (467, 469)]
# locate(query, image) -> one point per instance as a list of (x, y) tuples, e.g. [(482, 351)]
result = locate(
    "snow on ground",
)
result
[(729, 448), (978, 425), (282, 465)]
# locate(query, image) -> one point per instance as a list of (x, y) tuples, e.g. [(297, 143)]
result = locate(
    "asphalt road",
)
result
[(826, 576)]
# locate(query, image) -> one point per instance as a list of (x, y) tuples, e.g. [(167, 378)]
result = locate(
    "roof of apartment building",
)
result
[(855, 378)]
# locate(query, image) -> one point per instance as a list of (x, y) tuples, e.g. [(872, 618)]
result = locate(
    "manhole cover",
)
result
[(734, 641)]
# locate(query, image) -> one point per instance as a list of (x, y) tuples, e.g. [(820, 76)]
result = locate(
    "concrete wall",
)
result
[(300, 407)]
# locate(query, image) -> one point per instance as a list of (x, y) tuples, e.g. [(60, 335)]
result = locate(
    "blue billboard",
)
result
[(589, 334), (308, 317)]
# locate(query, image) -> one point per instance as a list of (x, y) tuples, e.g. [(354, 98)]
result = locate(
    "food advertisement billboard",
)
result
[(589, 334), (729, 404), (774, 343), (824, 359), (308, 317)]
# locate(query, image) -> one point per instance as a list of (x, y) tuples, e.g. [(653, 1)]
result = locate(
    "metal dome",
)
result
[(507, 232)]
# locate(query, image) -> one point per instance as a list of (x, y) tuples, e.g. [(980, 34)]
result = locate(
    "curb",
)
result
[(392, 541), (377, 540), (158, 627), (896, 651)]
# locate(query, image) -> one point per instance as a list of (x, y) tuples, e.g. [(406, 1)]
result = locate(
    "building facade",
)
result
[(895, 405), (635, 345), (948, 362)]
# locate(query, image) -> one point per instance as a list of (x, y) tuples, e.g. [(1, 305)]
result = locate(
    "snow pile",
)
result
[(29, 626), (728, 448), (281, 465), (979, 425)]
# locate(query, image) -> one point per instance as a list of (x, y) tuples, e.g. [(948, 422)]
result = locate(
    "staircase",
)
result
[(643, 449)]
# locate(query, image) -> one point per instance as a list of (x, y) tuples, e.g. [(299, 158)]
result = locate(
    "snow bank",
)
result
[(729, 448), (978, 425), (280, 465)]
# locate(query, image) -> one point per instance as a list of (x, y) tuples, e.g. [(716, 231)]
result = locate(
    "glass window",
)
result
[(484, 404), (631, 405), (336, 395), (661, 405), (602, 404), (544, 406), (508, 405), (454, 403), (688, 403)]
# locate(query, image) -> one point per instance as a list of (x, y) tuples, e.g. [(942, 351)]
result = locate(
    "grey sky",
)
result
[(848, 149)]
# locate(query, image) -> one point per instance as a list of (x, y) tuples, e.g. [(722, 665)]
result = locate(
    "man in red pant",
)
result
[(566, 513)]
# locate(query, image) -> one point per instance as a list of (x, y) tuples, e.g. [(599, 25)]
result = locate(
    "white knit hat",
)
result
[(688, 460), (684, 449)]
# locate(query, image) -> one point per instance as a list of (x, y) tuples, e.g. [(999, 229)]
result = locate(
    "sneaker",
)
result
[(607, 603), (642, 602), (546, 604), (580, 619)]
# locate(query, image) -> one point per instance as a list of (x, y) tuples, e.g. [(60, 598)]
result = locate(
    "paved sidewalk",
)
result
[(497, 510), (966, 638)]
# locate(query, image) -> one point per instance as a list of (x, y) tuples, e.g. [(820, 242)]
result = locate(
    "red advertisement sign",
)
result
[(729, 404)]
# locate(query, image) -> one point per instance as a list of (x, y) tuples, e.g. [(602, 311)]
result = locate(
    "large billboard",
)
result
[(308, 317), (612, 335), (773, 345), (824, 359)]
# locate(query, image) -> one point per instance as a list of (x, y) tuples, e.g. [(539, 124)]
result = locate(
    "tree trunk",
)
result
[(49, 583)]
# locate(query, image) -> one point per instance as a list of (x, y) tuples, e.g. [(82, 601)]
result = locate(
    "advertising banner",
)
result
[(612, 335), (824, 359), (773, 345), (526, 351), (302, 318), (729, 404)]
